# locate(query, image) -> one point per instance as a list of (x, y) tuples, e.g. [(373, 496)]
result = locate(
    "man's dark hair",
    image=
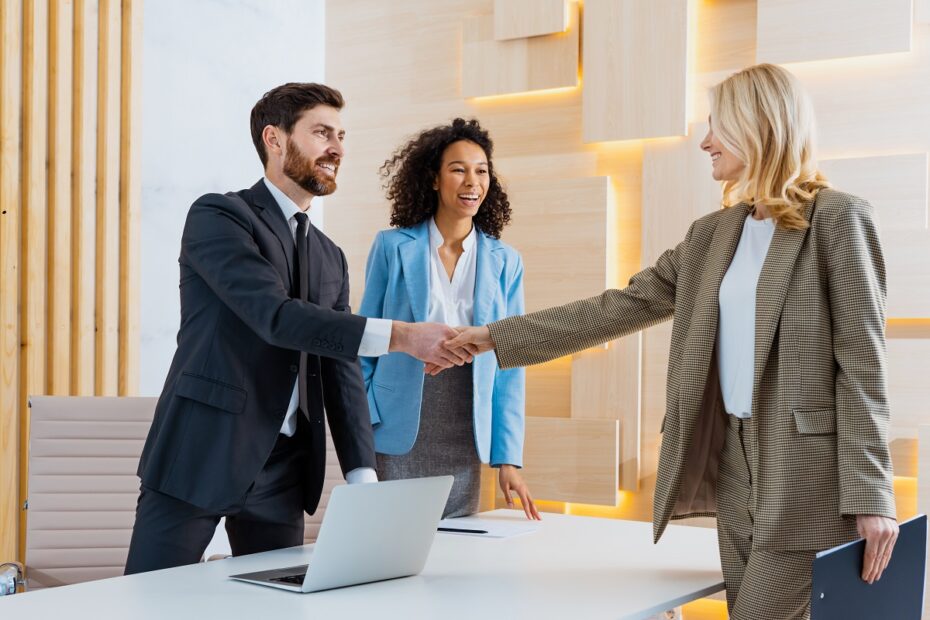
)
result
[(282, 107)]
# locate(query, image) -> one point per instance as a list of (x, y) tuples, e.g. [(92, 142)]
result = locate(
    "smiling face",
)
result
[(314, 150), (726, 165), (463, 179)]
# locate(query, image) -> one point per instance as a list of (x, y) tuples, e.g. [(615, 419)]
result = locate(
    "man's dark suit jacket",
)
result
[(242, 328)]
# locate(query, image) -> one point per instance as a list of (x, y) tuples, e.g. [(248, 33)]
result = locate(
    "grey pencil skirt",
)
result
[(445, 443)]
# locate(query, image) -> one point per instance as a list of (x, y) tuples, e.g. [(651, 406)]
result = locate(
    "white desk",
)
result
[(572, 568)]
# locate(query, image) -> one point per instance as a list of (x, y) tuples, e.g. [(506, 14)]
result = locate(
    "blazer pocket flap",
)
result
[(815, 421), (211, 392)]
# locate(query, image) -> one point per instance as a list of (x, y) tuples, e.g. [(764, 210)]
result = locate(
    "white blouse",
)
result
[(451, 302), (736, 331)]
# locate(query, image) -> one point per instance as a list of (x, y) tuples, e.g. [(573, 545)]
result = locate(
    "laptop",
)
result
[(370, 532), (838, 592)]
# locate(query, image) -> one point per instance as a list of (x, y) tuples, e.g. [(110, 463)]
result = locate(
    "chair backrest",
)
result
[(83, 454)]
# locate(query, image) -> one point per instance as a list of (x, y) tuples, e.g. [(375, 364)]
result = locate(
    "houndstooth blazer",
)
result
[(819, 388)]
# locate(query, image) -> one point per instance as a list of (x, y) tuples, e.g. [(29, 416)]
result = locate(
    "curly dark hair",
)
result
[(410, 173)]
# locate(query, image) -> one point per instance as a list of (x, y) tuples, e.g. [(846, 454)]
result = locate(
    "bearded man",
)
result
[(267, 340)]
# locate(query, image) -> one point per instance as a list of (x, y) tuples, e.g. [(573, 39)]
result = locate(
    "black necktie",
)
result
[(303, 277)]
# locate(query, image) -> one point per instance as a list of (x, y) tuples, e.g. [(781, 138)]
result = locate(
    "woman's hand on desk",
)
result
[(511, 481)]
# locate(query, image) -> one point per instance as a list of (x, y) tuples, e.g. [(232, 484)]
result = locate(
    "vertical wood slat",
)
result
[(130, 196), (108, 144), (83, 195), (34, 233), (10, 192), (61, 25)]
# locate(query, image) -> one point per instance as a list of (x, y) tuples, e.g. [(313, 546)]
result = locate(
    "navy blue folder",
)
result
[(838, 590)]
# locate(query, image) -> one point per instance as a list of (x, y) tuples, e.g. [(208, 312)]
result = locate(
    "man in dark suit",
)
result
[(266, 341)]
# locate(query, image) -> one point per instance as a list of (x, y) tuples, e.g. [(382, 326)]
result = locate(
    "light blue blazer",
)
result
[(397, 287)]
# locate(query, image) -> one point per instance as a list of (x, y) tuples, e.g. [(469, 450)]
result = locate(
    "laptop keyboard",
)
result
[(295, 580)]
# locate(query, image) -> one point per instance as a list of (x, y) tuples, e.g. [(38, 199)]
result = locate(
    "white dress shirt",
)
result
[(451, 302), (736, 332), (375, 339)]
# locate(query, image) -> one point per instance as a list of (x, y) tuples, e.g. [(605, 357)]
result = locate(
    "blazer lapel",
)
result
[(272, 216), (707, 305), (488, 268), (771, 291), (414, 260)]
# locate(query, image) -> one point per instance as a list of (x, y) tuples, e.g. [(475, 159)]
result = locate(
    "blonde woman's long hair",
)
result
[(763, 115)]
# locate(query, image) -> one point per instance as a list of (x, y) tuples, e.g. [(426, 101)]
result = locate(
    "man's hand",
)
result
[(468, 341), (880, 534), (425, 341)]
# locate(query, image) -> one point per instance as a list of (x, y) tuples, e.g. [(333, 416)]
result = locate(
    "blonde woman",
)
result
[(777, 411)]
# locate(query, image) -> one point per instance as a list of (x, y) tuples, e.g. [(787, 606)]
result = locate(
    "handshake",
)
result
[(438, 345)]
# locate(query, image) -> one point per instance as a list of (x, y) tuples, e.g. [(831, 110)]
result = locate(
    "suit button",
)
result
[(339, 347), (316, 342), (294, 368)]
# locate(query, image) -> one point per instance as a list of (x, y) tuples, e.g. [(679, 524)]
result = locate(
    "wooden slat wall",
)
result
[(69, 142)]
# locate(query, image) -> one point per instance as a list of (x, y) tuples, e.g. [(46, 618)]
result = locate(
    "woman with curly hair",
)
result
[(443, 261)]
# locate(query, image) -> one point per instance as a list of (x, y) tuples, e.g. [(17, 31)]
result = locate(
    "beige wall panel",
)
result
[(61, 49), (84, 198), (904, 456), (798, 30), (896, 185), (516, 19), (572, 460), (10, 266), (635, 69), (677, 189), (907, 384), (545, 167), (726, 35), (130, 195), (923, 468), (108, 208), (922, 11), (556, 221), (492, 67), (549, 389), (606, 384)]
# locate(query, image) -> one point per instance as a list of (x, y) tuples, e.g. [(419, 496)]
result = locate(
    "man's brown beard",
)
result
[(302, 171)]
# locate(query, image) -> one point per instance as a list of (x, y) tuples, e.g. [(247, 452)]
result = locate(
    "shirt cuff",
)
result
[(376, 339), (361, 475)]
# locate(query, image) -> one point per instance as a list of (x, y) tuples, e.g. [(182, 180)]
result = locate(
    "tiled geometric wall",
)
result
[(632, 127)]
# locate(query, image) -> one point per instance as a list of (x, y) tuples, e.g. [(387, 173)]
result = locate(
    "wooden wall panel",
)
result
[(53, 305), (548, 389), (669, 208), (798, 31), (896, 186), (572, 460), (130, 195), (61, 49), (493, 67), (517, 19), (635, 69), (108, 208), (84, 197), (34, 289), (907, 384), (549, 279), (10, 266), (606, 385)]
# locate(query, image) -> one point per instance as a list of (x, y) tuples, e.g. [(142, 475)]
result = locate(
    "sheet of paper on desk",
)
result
[(487, 528)]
